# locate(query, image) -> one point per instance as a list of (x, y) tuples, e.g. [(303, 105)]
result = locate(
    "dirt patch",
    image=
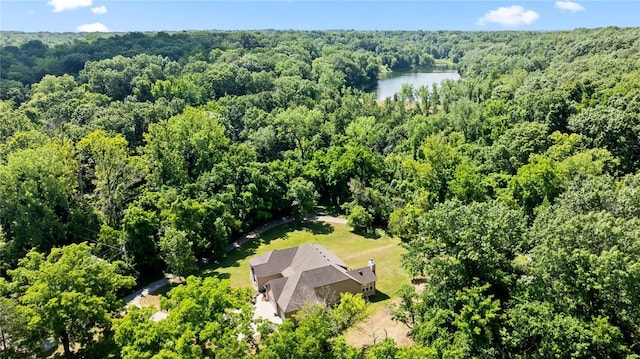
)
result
[(375, 328), (150, 300)]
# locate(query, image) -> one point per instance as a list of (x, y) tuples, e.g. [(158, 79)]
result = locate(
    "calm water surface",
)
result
[(391, 83)]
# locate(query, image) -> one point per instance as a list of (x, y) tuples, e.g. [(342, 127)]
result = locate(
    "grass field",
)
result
[(355, 250)]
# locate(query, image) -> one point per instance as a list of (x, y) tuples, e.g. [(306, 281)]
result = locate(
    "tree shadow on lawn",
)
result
[(250, 248), (102, 347), (165, 289), (368, 234), (233, 258), (332, 210), (215, 273), (315, 227)]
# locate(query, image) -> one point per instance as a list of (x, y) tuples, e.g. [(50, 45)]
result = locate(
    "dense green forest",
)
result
[(515, 190)]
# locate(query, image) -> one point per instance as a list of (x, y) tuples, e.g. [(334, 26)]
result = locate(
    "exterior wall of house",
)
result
[(331, 294), (262, 281), (368, 289), (272, 300), (334, 290), (252, 276)]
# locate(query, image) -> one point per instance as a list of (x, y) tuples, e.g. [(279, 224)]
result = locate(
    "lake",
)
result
[(390, 83)]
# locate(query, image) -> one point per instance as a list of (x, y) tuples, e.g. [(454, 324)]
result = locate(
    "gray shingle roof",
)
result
[(293, 260), (304, 269), (272, 262), (302, 287), (363, 275)]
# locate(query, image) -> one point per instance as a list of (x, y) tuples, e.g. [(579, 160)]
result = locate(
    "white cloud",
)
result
[(509, 16), (95, 27), (99, 10), (63, 5), (569, 5)]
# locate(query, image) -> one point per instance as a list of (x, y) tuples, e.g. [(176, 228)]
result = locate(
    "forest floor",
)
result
[(378, 326)]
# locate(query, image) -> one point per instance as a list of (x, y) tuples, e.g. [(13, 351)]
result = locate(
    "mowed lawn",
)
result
[(355, 250)]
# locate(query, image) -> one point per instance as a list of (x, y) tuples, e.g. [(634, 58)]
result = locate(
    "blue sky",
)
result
[(148, 15)]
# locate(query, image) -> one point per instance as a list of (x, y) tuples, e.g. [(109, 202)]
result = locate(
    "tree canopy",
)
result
[(70, 294), (514, 190)]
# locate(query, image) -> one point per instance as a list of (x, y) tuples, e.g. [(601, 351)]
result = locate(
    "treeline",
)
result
[(28, 62), (17, 38), (514, 189)]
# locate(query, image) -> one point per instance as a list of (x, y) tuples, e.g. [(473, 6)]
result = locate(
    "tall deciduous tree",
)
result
[(115, 174), (587, 266), (443, 156), (536, 182), (303, 196), (11, 121), (463, 242), (176, 251), (69, 294), (184, 147), (315, 332), (207, 318), (611, 128), (140, 231), (300, 126), (37, 187), (13, 329), (513, 148)]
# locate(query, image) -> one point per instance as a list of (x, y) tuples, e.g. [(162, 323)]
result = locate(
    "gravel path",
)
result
[(327, 219), (134, 298)]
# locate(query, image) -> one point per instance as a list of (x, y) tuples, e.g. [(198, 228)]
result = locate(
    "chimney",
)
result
[(372, 265)]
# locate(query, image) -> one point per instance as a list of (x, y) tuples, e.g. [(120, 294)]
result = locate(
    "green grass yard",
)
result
[(355, 250)]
